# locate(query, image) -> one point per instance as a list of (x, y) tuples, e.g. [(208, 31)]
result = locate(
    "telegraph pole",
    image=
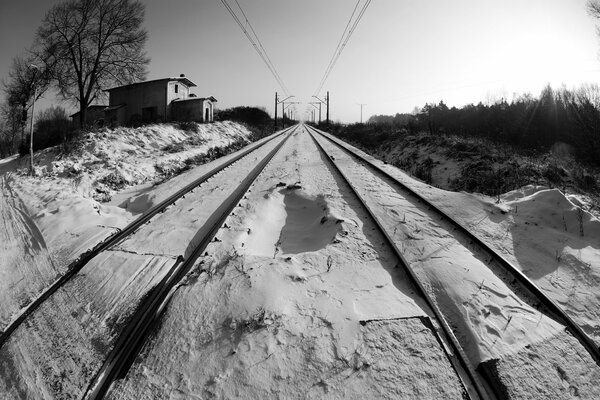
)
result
[(326, 102), (283, 107), (276, 100), (327, 99), (282, 110), (31, 168), (314, 104), (361, 107)]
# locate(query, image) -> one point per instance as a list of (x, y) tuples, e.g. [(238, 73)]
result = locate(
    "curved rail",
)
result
[(120, 235), (550, 304), (459, 358), (136, 332)]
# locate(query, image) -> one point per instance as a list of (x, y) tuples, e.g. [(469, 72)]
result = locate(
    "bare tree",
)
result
[(27, 82), (90, 45), (25, 79), (11, 124), (593, 8)]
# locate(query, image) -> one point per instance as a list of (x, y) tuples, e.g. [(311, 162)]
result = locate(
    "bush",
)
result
[(53, 127), (188, 126), (257, 120)]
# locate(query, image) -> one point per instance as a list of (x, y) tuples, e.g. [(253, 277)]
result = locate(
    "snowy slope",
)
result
[(50, 219)]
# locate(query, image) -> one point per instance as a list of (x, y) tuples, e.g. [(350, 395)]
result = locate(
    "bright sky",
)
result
[(403, 53)]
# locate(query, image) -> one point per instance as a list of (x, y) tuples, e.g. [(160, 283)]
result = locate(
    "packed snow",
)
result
[(300, 296)]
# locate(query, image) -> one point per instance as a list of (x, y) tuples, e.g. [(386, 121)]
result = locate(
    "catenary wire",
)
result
[(258, 47), (338, 51)]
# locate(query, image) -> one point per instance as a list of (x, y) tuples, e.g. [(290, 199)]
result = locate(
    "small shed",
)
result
[(199, 109)]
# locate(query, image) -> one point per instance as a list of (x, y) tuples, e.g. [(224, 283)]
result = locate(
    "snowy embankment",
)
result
[(50, 219), (552, 236)]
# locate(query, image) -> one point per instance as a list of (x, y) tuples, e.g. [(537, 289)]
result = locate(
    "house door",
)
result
[(206, 115)]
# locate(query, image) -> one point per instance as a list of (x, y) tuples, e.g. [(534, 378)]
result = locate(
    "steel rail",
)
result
[(458, 357), (576, 330), (130, 342), (121, 234)]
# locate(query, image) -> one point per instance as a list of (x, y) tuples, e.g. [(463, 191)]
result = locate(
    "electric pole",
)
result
[(31, 169), (361, 107), (282, 110), (314, 104), (327, 99), (283, 107), (326, 102), (276, 100)]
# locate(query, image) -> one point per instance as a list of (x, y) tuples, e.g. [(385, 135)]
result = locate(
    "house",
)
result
[(159, 100), (94, 115)]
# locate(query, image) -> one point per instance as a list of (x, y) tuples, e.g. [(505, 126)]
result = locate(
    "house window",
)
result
[(176, 88)]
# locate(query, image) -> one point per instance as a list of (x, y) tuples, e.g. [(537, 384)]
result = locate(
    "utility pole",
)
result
[(276, 100), (282, 109), (361, 107), (327, 99), (326, 102), (31, 169), (314, 104)]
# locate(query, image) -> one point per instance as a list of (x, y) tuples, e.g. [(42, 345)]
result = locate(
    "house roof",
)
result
[(181, 79), (92, 107), (196, 99), (115, 107)]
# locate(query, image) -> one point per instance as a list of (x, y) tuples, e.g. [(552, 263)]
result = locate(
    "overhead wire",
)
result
[(256, 43), (337, 47), (343, 42), (277, 76)]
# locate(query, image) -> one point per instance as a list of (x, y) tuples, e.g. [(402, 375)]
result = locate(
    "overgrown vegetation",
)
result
[(52, 127), (553, 140), (528, 123), (256, 120), (170, 170)]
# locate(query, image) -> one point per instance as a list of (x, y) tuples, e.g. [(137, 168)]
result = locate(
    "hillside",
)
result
[(80, 197)]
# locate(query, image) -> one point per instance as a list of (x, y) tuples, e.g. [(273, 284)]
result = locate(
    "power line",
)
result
[(277, 77), (343, 42), (255, 41), (337, 47)]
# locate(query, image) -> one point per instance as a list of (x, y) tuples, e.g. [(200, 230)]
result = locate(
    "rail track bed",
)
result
[(302, 270), (298, 297), (498, 316), (64, 336)]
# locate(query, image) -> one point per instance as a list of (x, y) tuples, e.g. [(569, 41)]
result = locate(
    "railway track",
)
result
[(140, 326), (122, 234), (519, 280), (109, 244), (131, 338), (473, 385)]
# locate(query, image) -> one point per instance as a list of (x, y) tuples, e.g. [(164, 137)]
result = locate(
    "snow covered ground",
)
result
[(50, 219), (301, 297)]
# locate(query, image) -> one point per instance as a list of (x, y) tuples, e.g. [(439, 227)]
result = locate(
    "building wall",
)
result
[(93, 115), (188, 110), (115, 117), (148, 102), (193, 109)]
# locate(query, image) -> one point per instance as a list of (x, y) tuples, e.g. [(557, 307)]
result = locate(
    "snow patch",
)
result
[(291, 221)]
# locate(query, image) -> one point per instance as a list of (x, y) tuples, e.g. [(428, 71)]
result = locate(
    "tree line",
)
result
[(534, 123)]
